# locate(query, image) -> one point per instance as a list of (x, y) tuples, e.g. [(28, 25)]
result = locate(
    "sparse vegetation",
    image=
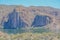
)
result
[(32, 34)]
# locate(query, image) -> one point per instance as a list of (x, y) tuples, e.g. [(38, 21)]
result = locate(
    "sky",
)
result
[(51, 3)]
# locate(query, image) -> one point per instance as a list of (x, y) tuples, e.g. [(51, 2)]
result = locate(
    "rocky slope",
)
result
[(27, 15)]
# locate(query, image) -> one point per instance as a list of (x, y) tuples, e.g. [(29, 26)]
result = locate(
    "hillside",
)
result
[(29, 23)]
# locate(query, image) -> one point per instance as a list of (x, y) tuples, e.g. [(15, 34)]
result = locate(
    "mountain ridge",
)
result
[(28, 14)]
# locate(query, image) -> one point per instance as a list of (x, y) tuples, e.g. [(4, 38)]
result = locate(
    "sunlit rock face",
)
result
[(40, 21), (14, 21)]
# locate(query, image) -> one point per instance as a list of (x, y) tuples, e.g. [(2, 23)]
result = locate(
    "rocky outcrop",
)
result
[(40, 21), (14, 21)]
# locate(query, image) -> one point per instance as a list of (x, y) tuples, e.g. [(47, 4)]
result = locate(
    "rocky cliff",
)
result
[(33, 16)]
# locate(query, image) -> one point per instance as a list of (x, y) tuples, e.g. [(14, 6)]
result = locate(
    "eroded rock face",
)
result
[(14, 21), (40, 21)]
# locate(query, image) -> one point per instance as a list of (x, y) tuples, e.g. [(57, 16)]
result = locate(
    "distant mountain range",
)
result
[(12, 17)]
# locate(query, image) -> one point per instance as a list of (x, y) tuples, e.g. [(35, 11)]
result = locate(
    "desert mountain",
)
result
[(33, 16)]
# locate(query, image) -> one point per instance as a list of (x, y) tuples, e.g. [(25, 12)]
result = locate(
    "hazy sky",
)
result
[(52, 3)]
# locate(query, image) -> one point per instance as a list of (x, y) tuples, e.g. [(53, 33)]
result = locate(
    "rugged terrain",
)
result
[(27, 14), (39, 22)]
